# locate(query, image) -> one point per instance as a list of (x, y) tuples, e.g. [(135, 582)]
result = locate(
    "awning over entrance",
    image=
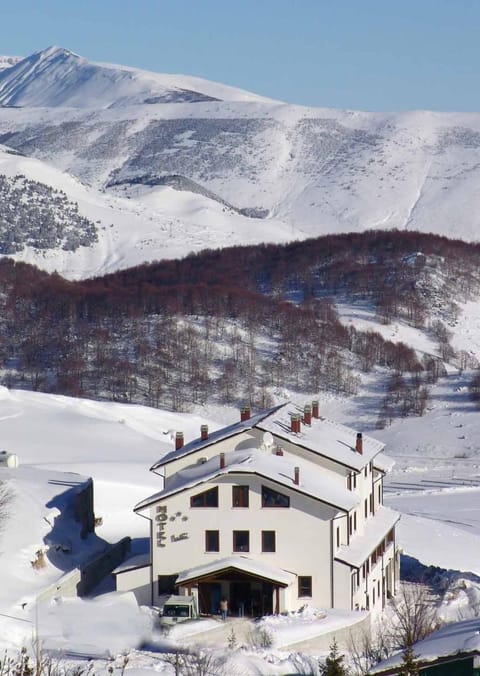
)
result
[(241, 564)]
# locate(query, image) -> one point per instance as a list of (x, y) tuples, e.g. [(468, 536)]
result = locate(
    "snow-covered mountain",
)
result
[(9, 61), (125, 228), (135, 138), (58, 77)]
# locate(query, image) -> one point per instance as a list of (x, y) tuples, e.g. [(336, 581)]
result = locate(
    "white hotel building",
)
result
[(278, 510)]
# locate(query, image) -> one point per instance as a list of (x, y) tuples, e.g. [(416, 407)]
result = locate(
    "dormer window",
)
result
[(271, 498), (206, 499)]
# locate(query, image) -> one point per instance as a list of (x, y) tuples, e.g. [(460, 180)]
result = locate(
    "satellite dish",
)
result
[(267, 440)]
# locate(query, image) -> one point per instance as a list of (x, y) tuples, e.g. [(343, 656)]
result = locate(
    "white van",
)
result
[(178, 609)]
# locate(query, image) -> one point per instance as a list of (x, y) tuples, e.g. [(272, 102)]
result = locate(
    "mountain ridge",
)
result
[(306, 171), (55, 76)]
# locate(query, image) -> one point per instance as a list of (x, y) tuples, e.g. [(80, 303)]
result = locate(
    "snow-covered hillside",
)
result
[(58, 77), (435, 485), (312, 170), (9, 61), (141, 224)]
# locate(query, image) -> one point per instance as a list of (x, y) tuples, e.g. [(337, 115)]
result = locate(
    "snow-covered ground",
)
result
[(116, 444), (435, 484)]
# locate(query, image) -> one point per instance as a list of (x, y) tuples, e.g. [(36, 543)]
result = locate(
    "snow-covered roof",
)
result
[(280, 469), (362, 545), (215, 437), (137, 561), (383, 462), (325, 437), (242, 563), (457, 638)]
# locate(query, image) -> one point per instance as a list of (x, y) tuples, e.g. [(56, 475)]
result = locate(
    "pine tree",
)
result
[(334, 663), (409, 667)]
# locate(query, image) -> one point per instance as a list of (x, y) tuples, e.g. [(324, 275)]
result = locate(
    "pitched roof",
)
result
[(313, 481), (243, 563), (362, 544), (215, 437), (454, 639), (324, 437)]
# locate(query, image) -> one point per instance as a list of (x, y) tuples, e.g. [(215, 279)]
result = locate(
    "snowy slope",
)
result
[(320, 170), (143, 225), (58, 77), (9, 61), (306, 171), (116, 444)]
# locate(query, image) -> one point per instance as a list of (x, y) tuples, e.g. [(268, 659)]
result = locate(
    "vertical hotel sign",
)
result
[(161, 518)]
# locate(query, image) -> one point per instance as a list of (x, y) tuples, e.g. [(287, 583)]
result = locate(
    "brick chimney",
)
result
[(245, 413), (296, 475), (222, 460), (359, 443), (295, 423), (178, 441), (204, 432), (315, 407), (307, 414), (279, 451)]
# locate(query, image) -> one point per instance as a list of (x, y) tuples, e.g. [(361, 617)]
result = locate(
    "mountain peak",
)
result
[(56, 52), (55, 77)]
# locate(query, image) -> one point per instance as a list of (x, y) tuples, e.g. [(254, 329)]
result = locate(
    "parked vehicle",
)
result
[(178, 609)]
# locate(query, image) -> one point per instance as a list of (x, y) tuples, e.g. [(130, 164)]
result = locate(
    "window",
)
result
[(268, 540), (241, 541), (366, 507), (349, 482), (271, 498), (354, 480), (239, 496), (206, 499), (379, 495), (212, 541), (305, 585), (166, 584), (338, 536)]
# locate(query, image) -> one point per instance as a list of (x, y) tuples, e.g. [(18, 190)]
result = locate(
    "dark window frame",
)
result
[(212, 546), (213, 492), (305, 586), (269, 547), (240, 496), (275, 498), (236, 547), (166, 584)]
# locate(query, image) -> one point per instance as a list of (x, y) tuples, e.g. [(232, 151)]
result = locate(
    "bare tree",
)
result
[(414, 616), (196, 663)]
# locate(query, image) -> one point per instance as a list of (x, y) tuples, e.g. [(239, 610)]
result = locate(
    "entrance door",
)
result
[(209, 594), (240, 598)]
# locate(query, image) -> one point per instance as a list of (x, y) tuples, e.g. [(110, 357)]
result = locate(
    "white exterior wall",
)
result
[(303, 535), (136, 580), (342, 590)]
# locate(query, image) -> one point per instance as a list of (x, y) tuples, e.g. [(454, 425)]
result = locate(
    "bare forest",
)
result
[(239, 324)]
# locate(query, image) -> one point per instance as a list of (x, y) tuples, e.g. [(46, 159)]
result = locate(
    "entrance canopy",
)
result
[(239, 564)]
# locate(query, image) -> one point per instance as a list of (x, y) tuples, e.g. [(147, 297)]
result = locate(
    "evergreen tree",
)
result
[(409, 667), (334, 663)]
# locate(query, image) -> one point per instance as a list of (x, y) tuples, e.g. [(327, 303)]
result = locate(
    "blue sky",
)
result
[(358, 54)]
